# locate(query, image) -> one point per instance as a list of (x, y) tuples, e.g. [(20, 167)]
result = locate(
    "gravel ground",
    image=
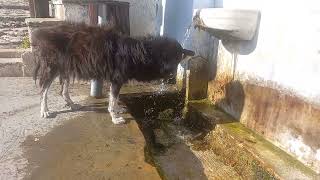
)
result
[(12, 22), (20, 118)]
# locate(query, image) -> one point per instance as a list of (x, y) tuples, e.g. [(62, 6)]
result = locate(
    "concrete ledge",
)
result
[(12, 53), (40, 22), (11, 67), (197, 77), (251, 155)]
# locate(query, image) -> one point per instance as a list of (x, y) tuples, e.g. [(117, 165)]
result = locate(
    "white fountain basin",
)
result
[(231, 24)]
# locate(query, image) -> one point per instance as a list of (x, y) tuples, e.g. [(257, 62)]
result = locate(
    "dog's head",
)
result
[(171, 55), (164, 55)]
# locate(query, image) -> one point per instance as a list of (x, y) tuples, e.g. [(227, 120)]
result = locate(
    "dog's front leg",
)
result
[(113, 108), (114, 98)]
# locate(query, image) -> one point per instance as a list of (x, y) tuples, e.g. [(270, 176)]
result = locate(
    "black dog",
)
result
[(91, 52)]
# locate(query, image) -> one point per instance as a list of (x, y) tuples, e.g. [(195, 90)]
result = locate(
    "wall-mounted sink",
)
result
[(228, 24)]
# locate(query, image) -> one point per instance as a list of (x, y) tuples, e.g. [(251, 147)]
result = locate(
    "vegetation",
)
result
[(25, 42)]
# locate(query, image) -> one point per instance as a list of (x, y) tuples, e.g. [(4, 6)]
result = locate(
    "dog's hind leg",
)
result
[(113, 104), (66, 96), (44, 111)]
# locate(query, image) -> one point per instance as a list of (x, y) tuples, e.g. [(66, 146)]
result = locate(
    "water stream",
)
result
[(186, 35)]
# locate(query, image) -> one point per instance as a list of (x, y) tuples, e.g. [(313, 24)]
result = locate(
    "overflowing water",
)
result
[(163, 87), (186, 35)]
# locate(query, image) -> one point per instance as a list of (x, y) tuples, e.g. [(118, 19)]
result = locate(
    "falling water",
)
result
[(163, 87), (234, 58), (186, 35)]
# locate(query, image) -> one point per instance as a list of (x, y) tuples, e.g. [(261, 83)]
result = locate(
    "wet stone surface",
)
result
[(174, 151)]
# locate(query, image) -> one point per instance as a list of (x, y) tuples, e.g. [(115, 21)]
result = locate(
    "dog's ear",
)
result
[(187, 52)]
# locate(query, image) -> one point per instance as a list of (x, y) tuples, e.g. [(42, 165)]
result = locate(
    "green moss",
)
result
[(202, 101), (271, 151), (25, 42)]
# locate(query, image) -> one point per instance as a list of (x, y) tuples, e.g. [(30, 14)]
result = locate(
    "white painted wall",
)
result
[(145, 17), (287, 54), (288, 49)]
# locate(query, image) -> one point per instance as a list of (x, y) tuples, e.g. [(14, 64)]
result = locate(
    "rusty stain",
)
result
[(217, 88), (268, 111)]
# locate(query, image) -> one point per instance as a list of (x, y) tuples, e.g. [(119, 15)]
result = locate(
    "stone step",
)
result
[(6, 3), (11, 38), (14, 12), (15, 7), (12, 53), (11, 67), (12, 18), (252, 156)]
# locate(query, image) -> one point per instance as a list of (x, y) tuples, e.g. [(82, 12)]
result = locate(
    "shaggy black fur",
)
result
[(91, 52)]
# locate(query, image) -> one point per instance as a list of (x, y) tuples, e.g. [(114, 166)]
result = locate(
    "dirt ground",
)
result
[(83, 145), (20, 118)]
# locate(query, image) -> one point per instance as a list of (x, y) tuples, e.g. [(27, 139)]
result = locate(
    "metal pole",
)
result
[(108, 11), (96, 88), (102, 17), (96, 84)]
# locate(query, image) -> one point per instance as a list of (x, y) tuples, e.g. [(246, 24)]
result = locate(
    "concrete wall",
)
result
[(145, 15), (275, 89)]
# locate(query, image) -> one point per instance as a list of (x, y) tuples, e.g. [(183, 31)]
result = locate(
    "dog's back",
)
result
[(89, 52), (71, 49)]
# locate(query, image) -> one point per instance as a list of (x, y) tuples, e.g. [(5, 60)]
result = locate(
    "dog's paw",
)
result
[(117, 119), (45, 114)]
